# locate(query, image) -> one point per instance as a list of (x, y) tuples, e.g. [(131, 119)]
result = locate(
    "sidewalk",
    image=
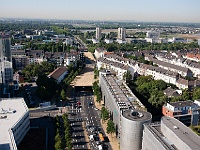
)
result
[(113, 140)]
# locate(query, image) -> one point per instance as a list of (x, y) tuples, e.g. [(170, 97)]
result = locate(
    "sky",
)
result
[(107, 10)]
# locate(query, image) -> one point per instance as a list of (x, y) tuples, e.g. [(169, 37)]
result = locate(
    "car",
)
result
[(96, 108), (90, 103)]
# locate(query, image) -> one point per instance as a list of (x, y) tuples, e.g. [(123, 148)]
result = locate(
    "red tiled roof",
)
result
[(58, 72)]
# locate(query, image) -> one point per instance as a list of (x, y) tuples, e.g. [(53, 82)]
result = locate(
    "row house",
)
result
[(170, 74), (119, 68), (185, 72), (186, 84), (161, 74), (99, 52), (182, 62)]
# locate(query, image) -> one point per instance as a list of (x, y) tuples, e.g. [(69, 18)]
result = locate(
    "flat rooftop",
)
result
[(183, 103), (11, 110), (183, 132), (137, 115), (121, 92)]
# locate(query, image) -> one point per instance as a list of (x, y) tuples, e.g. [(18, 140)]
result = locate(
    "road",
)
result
[(78, 138), (92, 120)]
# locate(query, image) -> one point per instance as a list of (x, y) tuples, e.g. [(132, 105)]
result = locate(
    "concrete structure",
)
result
[(98, 33), (179, 40), (6, 70), (153, 34), (153, 37), (132, 128), (185, 111), (58, 74), (14, 122), (199, 42), (170, 134), (121, 34), (120, 101)]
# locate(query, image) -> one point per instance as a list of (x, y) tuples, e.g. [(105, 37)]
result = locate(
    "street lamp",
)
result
[(61, 102)]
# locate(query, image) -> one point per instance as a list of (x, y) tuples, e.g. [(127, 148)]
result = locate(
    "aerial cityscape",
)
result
[(109, 75)]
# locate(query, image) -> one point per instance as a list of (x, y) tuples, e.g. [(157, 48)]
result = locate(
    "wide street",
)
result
[(85, 117)]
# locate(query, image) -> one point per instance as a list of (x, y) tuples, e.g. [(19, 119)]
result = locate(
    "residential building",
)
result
[(58, 74), (179, 40), (98, 33), (14, 122), (127, 112), (169, 92), (122, 34), (6, 70), (153, 37), (185, 111), (171, 67), (170, 134), (16, 46), (99, 52), (153, 34)]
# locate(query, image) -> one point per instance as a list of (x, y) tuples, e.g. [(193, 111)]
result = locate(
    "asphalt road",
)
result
[(76, 119), (92, 119)]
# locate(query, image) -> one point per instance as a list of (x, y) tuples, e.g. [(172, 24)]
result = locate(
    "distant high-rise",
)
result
[(6, 70), (98, 33), (153, 34), (121, 33)]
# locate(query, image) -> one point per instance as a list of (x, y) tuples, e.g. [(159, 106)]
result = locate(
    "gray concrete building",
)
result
[(170, 134), (126, 111), (132, 128)]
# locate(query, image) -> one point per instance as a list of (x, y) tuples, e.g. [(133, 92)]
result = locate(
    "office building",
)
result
[(6, 70), (170, 134), (14, 122), (122, 34), (132, 121), (127, 112), (185, 111)]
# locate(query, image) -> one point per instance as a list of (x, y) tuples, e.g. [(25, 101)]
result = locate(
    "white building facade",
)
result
[(14, 122)]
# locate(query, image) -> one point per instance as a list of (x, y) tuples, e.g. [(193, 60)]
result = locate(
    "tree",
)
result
[(104, 114), (196, 94), (110, 127), (63, 94), (127, 77)]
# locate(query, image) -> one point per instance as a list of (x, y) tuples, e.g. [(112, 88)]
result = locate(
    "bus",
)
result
[(101, 138)]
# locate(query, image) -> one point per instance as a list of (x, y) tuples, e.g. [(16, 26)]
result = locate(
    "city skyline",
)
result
[(147, 11)]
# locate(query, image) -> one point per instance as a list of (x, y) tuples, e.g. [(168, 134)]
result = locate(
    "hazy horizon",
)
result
[(128, 10)]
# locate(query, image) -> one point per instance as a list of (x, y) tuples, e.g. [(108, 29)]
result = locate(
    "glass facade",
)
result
[(6, 71)]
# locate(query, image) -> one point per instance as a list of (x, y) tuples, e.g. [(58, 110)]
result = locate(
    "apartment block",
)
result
[(185, 111)]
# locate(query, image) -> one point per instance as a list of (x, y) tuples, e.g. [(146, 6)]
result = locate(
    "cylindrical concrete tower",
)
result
[(132, 129)]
